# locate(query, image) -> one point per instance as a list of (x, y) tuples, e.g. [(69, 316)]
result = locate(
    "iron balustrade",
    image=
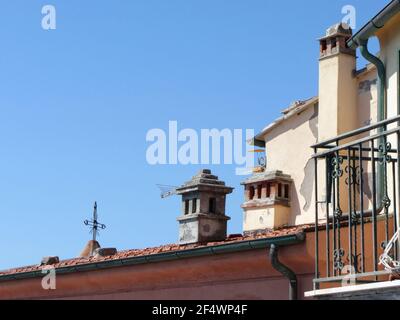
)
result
[(356, 212)]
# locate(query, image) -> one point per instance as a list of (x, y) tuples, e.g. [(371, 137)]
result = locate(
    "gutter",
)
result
[(375, 24), (284, 270), (166, 256)]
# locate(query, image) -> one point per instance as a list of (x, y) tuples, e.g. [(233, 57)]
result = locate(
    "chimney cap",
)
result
[(274, 175), (204, 178), (338, 29)]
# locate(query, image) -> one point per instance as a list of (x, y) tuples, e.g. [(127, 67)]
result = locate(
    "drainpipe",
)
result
[(382, 111), (288, 273), (360, 39)]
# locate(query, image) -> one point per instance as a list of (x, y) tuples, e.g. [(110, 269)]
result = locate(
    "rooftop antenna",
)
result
[(94, 224), (167, 191)]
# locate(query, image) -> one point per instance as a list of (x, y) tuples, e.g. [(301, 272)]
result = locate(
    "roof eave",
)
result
[(258, 140), (374, 24), (239, 246)]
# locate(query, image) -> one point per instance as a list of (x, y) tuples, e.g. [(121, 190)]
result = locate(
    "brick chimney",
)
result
[(267, 202), (337, 85), (203, 216)]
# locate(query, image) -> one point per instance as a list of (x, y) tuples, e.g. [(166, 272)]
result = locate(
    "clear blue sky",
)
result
[(76, 104)]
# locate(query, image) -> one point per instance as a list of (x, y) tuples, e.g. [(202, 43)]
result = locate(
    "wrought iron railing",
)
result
[(357, 179)]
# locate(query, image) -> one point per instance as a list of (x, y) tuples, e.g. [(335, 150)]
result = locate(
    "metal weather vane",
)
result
[(94, 224)]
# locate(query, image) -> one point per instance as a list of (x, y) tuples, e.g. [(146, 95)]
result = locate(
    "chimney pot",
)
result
[(48, 261), (105, 252), (269, 207), (334, 41)]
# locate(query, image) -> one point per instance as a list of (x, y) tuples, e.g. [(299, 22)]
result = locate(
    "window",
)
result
[(323, 46), (268, 190), (334, 43), (194, 205), (259, 191), (187, 207), (212, 207), (279, 190), (286, 191), (251, 193)]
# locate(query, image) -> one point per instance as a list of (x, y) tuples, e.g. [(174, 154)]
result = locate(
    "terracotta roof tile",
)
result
[(165, 248)]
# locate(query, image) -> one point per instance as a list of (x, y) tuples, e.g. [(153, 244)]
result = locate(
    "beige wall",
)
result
[(288, 144), (264, 218), (288, 149), (337, 96), (367, 102)]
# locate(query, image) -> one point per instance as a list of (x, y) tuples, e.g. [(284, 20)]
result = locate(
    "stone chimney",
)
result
[(203, 216), (337, 85)]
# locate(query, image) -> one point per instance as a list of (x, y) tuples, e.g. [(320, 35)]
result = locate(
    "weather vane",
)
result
[(94, 224)]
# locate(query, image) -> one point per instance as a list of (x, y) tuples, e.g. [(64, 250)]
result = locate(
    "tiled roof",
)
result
[(159, 250)]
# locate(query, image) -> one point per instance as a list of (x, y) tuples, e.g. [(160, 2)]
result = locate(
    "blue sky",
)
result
[(76, 104)]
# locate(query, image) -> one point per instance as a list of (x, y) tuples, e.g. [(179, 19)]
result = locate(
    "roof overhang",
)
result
[(258, 140), (374, 24)]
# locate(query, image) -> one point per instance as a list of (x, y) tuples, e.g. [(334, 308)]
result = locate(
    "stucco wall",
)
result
[(337, 96), (264, 218), (288, 149), (288, 145), (367, 96)]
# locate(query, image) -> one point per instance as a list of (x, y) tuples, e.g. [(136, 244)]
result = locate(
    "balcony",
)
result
[(357, 179)]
